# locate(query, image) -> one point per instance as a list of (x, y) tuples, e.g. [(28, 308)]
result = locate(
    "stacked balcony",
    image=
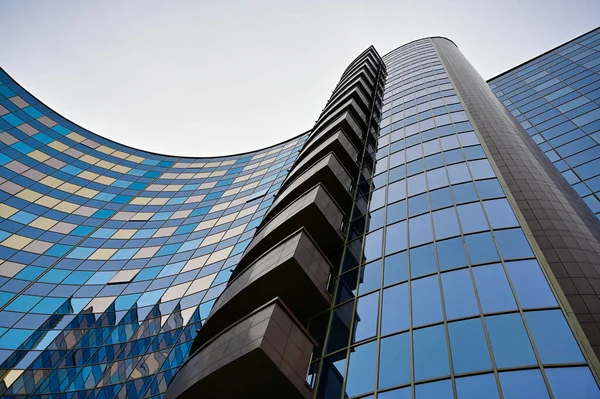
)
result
[(285, 270)]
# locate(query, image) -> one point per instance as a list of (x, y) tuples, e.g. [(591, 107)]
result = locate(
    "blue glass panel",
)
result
[(510, 343), (500, 213), (493, 288), (513, 244), (472, 218), (365, 325), (395, 311), (395, 268), (572, 383), (451, 254), (530, 284), (481, 248), (426, 302), (403, 393), (468, 346), (477, 387), (422, 261), (370, 277), (553, 337), (430, 353), (361, 369), (395, 238), (394, 360), (446, 223), (459, 295), (420, 230), (439, 390), (524, 384)]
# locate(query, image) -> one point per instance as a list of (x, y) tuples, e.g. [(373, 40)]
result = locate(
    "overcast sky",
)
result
[(220, 77)]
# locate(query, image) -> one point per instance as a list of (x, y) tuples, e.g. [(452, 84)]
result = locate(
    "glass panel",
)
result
[(500, 213), (430, 353), (394, 312), (494, 292), (530, 284), (422, 261), (426, 302), (332, 376), (373, 245), (510, 343), (477, 387), (525, 384), (459, 295), (395, 269), (451, 254), (420, 230), (481, 248), (513, 244), (472, 218), (361, 369), (394, 360), (365, 321), (370, 277), (468, 346), (403, 393), (553, 337), (396, 212), (437, 390), (395, 238), (572, 383), (446, 223)]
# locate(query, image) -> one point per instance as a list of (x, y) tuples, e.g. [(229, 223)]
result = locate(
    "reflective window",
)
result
[(430, 353), (395, 238), (472, 218), (459, 296), (468, 346), (419, 229), (530, 284), (361, 369), (493, 288), (369, 277), (365, 320), (513, 244), (553, 337), (451, 254), (394, 360), (477, 387), (373, 245), (572, 383), (422, 261), (523, 384), (481, 248), (509, 340), (426, 302), (500, 213), (446, 223), (439, 389), (395, 269), (394, 312)]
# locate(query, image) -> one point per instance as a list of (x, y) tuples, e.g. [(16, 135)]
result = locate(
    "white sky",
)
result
[(220, 77)]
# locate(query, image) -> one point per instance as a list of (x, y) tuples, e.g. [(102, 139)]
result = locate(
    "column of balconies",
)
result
[(254, 342)]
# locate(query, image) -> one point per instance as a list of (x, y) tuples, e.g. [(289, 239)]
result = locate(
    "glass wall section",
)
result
[(448, 299), (111, 257), (556, 97)]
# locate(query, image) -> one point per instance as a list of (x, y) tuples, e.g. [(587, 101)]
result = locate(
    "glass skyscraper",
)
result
[(432, 236)]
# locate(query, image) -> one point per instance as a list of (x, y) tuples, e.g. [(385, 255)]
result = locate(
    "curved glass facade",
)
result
[(111, 257), (448, 298), (416, 244), (556, 97)]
